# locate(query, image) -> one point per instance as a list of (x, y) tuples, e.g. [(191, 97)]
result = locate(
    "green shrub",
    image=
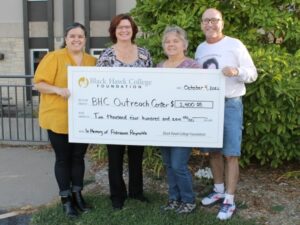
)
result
[(272, 109), (271, 31), (152, 159), (98, 153)]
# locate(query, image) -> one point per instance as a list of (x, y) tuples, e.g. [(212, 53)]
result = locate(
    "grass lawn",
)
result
[(133, 213)]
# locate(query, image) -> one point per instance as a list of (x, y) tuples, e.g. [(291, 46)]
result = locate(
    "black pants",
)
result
[(69, 163), (117, 185)]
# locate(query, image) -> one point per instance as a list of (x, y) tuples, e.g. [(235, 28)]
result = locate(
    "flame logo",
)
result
[(83, 82)]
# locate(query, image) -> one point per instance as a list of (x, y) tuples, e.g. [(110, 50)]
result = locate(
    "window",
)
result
[(96, 52), (36, 56)]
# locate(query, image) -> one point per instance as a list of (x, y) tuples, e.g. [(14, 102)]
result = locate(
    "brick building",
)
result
[(31, 28)]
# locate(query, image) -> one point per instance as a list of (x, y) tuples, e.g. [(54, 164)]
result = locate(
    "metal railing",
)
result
[(19, 110)]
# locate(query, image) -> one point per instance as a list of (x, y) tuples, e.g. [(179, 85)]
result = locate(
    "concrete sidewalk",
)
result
[(26, 181), (26, 177)]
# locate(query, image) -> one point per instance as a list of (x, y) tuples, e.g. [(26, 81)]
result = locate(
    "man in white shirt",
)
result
[(230, 55)]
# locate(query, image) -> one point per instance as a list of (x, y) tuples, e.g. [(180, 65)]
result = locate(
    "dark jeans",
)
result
[(118, 192), (69, 163)]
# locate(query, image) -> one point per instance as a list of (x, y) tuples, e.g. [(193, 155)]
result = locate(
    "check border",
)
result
[(174, 107)]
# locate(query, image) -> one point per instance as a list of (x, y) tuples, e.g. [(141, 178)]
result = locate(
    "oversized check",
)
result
[(146, 106)]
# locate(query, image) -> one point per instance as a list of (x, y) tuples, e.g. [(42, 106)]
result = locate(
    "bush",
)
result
[(152, 159), (271, 31), (272, 109)]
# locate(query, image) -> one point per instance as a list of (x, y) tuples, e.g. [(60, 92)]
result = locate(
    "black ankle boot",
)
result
[(68, 207), (79, 202)]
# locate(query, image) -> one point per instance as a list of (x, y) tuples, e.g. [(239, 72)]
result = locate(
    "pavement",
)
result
[(26, 182)]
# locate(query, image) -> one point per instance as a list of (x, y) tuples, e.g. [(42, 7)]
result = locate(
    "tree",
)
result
[(271, 31)]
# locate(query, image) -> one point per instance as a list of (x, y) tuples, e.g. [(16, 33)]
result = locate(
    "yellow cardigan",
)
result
[(53, 110)]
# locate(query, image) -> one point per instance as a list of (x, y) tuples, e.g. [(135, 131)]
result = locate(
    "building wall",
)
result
[(58, 23), (11, 11), (13, 64), (11, 30), (13, 50), (124, 6), (11, 38)]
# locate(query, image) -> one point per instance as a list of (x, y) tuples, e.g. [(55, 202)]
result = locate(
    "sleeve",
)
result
[(247, 69), (144, 57), (47, 69), (149, 62), (195, 64), (197, 54), (104, 59)]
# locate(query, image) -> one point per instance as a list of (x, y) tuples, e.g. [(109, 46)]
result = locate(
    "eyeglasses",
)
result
[(212, 20), (123, 27)]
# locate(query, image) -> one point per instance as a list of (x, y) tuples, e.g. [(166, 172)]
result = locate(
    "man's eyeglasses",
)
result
[(212, 20)]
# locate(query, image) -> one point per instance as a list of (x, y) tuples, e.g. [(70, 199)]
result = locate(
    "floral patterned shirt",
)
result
[(108, 59)]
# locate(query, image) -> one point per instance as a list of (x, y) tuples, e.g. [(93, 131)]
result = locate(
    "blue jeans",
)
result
[(178, 175), (233, 128)]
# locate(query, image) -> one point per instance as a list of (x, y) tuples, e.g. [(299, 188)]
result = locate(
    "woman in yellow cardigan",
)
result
[(51, 81)]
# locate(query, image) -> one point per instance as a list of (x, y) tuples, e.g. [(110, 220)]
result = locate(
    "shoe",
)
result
[(68, 207), (226, 211), (186, 208), (79, 202), (213, 198), (117, 205), (171, 205)]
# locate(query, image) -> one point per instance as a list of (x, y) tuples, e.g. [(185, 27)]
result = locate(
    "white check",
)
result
[(146, 106)]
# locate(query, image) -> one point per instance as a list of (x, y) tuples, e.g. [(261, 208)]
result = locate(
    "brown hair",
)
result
[(115, 22), (71, 27)]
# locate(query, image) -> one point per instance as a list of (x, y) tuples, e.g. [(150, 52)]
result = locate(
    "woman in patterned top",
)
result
[(124, 53), (181, 194)]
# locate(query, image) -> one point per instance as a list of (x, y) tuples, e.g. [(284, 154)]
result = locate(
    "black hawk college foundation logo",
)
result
[(83, 82)]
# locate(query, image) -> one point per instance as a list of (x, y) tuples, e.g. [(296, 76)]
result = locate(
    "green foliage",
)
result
[(271, 31), (98, 153), (277, 208), (290, 175), (152, 161), (254, 22), (272, 109), (134, 213)]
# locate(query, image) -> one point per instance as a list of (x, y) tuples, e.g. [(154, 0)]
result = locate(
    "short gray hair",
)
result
[(181, 33)]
